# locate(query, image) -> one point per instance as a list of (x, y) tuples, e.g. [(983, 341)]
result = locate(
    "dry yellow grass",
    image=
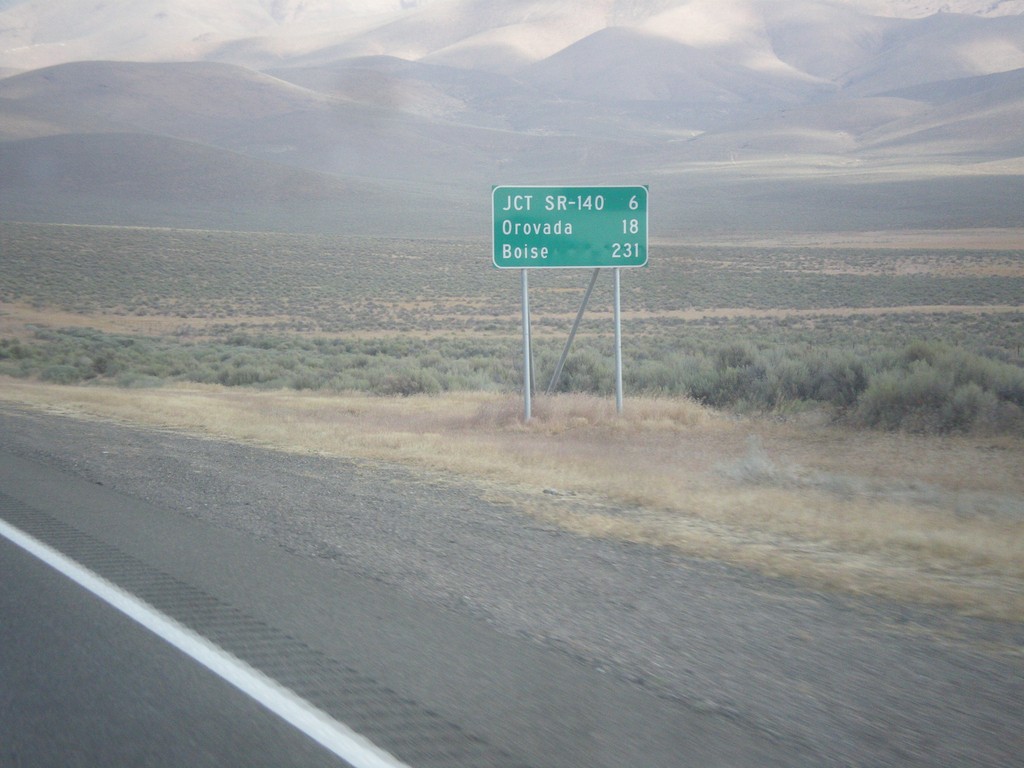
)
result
[(935, 520)]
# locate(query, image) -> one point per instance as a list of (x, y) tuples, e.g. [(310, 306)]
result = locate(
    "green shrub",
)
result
[(407, 381), (307, 379), (61, 374), (902, 399), (837, 379), (915, 385), (714, 387), (927, 351), (13, 349), (970, 407), (943, 391), (587, 371), (737, 355), (664, 377)]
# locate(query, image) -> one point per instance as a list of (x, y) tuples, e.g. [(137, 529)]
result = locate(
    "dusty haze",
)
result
[(396, 117)]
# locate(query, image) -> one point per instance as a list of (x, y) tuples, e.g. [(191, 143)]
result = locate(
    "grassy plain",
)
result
[(791, 487)]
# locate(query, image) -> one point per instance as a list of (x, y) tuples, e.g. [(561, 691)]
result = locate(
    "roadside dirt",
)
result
[(858, 681)]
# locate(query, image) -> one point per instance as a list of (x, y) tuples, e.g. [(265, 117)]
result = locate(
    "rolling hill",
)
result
[(740, 114)]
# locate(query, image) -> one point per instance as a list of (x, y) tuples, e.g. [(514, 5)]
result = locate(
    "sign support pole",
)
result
[(527, 351), (618, 342), (568, 227), (572, 334)]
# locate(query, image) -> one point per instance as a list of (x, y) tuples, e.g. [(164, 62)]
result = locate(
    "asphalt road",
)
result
[(81, 684)]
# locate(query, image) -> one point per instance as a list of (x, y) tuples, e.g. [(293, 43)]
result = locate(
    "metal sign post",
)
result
[(527, 350), (569, 227), (618, 342)]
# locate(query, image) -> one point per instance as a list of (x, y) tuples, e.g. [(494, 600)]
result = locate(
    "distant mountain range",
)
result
[(395, 117)]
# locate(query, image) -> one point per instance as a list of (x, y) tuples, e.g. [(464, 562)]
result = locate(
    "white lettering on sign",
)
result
[(568, 226), (518, 203), (523, 252), (531, 228), (577, 203)]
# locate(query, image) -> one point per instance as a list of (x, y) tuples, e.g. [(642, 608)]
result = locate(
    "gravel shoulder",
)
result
[(857, 681)]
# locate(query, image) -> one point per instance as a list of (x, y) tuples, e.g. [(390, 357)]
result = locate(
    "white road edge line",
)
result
[(318, 725)]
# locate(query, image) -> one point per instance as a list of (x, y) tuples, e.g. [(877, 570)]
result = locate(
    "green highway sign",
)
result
[(583, 227)]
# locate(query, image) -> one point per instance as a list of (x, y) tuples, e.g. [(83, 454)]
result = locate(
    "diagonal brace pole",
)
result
[(572, 334)]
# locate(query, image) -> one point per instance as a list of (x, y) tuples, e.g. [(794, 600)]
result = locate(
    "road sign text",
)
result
[(582, 227)]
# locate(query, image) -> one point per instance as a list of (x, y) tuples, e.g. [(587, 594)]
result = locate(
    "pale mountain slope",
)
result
[(489, 34), (418, 88), (268, 118), (739, 113), (187, 100), (134, 178), (827, 134), (36, 33), (915, 9), (825, 40), (941, 47), (216, 105), (621, 64), (979, 117), (152, 168)]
